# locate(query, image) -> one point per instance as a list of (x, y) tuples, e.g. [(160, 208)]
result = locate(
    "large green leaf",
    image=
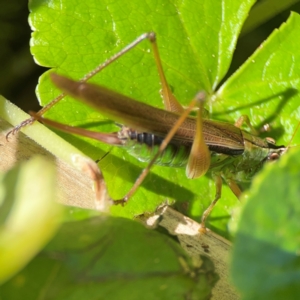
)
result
[(28, 214), (265, 260), (196, 40), (112, 258)]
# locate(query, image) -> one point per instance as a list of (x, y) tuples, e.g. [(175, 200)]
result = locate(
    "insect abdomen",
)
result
[(145, 145)]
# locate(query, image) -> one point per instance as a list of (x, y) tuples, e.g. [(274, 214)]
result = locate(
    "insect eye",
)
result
[(273, 156)]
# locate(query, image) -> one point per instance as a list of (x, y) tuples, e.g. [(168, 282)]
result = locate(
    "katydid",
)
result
[(169, 137)]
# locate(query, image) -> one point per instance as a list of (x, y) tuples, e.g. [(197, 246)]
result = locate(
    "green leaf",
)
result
[(266, 86), (265, 258), (115, 258), (28, 216), (265, 10)]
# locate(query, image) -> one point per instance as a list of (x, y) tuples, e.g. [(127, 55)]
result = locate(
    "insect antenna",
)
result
[(293, 136)]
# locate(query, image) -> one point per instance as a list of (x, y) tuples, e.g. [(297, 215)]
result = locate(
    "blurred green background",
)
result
[(19, 74)]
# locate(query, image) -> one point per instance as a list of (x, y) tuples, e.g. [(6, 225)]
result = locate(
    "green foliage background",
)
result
[(196, 50)]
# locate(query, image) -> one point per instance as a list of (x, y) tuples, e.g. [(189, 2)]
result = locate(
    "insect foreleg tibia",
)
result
[(218, 184), (245, 119), (234, 187)]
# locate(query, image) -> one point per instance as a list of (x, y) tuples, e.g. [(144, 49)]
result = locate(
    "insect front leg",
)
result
[(245, 119), (218, 184), (234, 187)]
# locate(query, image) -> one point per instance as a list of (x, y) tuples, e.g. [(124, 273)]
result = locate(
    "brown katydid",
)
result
[(202, 145)]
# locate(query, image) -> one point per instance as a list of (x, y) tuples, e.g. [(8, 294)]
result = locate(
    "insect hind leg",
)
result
[(173, 106)]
